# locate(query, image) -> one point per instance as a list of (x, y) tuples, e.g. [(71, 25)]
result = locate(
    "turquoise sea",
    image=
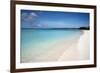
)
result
[(31, 37), (35, 40)]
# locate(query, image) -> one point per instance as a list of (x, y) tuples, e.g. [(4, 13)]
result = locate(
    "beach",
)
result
[(61, 50), (79, 50)]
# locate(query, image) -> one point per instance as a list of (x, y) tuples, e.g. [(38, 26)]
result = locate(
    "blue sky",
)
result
[(53, 19)]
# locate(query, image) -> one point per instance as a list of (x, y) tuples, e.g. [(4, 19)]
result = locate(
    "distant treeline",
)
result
[(85, 28)]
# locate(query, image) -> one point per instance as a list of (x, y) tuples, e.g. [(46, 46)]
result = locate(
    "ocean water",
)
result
[(37, 41), (31, 37)]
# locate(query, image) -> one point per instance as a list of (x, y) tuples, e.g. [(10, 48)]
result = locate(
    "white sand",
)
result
[(79, 50), (63, 50), (84, 45)]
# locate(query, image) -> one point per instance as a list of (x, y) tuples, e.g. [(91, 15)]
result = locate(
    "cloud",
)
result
[(28, 16), (33, 14)]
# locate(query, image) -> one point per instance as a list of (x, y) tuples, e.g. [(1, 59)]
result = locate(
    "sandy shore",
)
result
[(79, 50), (62, 50)]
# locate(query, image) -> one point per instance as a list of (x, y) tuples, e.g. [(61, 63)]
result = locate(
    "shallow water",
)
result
[(34, 42), (31, 37)]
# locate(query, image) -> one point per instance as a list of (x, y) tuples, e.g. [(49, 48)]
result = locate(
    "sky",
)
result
[(53, 19)]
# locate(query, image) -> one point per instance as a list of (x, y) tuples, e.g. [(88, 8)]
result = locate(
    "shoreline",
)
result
[(66, 50), (81, 52)]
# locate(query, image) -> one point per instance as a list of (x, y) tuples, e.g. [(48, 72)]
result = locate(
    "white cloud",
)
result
[(33, 14)]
